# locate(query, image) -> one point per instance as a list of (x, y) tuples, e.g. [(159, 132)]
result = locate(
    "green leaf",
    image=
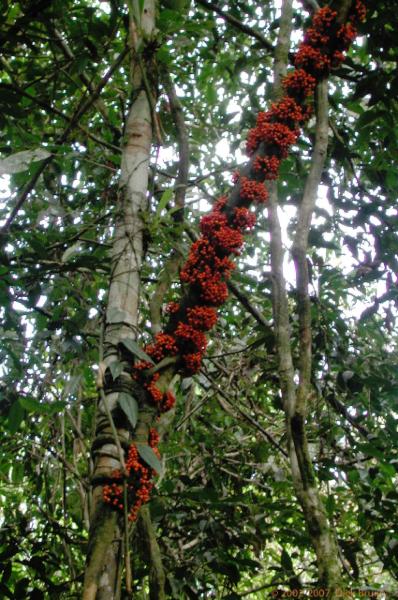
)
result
[(17, 472), (70, 252), (15, 417), (21, 161), (286, 562), (116, 368), (32, 405), (211, 94), (135, 349), (129, 406), (5, 591), (226, 568), (163, 55), (55, 407), (73, 385), (166, 197), (147, 454)]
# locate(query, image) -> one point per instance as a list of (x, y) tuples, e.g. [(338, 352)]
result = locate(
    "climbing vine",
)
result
[(209, 263)]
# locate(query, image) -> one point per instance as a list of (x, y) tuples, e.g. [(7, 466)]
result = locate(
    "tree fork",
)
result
[(295, 400)]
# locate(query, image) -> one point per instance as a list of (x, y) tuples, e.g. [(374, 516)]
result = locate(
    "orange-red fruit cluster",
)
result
[(192, 362), (276, 137), (287, 111), (202, 317), (253, 191), (155, 393), (164, 346), (312, 60), (172, 307), (243, 218), (208, 266), (138, 480), (359, 11), (299, 84), (168, 401), (322, 49), (191, 338), (268, 166)]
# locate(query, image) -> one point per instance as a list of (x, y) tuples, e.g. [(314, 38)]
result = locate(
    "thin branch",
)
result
[(231, 410), (249, 306), (300, 245), (237, 24), (183, 146), (52, 109), (189, 414), (67, 52), (173, 263), (81, 109), (262, 587), (244, 479), (340, 409)]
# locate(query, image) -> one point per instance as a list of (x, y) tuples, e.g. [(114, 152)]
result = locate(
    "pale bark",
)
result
[(105, 548)]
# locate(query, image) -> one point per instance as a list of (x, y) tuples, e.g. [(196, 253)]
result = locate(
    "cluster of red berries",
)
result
[(172, 307), (299, 85), (138, 480), (243, 218), (253, 191), (164, 401), (208, 265), (164, 346), (268, 166), (202, 317), (322, 49)]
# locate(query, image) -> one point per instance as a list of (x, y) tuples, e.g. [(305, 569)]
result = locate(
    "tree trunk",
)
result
[(295, 398), (105, 548)]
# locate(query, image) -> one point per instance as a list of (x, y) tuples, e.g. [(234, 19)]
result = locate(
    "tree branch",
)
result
[(301, 467), (157, 577), (67, 52), (299, 250), (52, 109), (238, 24), (173, 263), (81, 109), (183, 147)]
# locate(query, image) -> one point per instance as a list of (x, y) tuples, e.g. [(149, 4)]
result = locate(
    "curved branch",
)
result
[(211, 6), (83, 106)]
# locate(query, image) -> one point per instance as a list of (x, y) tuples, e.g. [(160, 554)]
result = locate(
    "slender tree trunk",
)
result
[(295, 398), (105, 547)]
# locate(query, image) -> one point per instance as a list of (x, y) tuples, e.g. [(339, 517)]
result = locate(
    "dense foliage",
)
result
[(225, 512)]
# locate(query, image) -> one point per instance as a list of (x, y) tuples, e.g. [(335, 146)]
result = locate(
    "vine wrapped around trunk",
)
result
[(183, 341)]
